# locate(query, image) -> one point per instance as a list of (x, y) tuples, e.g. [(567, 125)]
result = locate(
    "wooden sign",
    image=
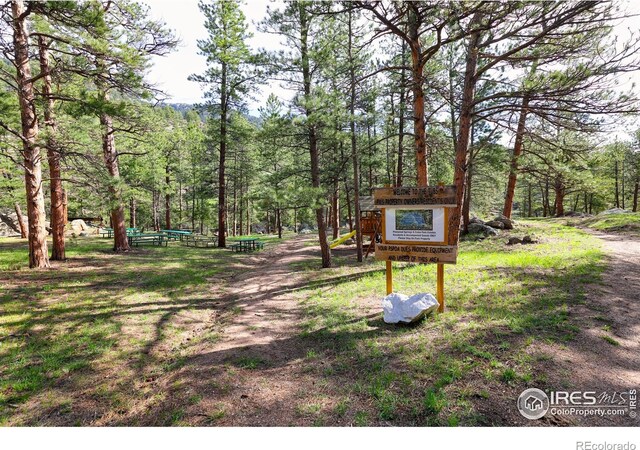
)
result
[(424, 254), (416, 228), (402, 197), (416, 224)]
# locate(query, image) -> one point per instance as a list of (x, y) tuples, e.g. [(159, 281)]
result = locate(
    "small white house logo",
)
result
[(533, 403)]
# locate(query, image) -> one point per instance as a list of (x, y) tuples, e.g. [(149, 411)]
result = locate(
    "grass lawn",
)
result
[(613, 222), (87, 343)]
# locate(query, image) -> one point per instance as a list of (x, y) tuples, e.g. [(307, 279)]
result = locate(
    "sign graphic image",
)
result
[(414, 219)]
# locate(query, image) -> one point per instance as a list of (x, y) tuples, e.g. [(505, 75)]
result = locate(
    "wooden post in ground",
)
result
[(440, 287), (389, 278)]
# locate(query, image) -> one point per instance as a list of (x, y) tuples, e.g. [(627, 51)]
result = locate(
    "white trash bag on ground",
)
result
[(401, 308)]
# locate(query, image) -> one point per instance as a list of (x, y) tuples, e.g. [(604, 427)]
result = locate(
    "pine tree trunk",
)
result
[(295, 220), (312, 134), (617, 189), (529, 210), (38, 254), (622, 185), (335, 209), (559, 203), (401, 106), (222, 207), (167, 198), (180, 202), (354, 147), (240, 209), (193, 207), (279, 222), (466, 208), (249, 217), (635, 195), (517, 152), (21, 223), (234, 207), (466, 115), (417, 65), (110, 155), (349, 211), (132, 212), (57, 219)]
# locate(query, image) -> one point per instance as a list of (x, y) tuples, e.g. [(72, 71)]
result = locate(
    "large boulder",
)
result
[(9, 223), (477, 228), (474, 219), (514, 240), (401, 308), (259, 228), (78, 225), (508, 223), (495, 224)]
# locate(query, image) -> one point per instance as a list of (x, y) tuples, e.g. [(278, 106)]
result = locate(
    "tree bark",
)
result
[(622, 185), (312, 133), (132, 212), (222, 209), (120, 241), (349, 209), (401, 106), (23, 226), (249, 217), (635, 195), (464, 129), (517, 151), (279, 222), (617, 189), (354, 147), (57, 219), (559, 203), (335, 209), (417, 66), (466, 208), (167, 198), (38, 254)]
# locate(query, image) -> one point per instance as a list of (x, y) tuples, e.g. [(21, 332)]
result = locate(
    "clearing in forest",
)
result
[(184, 336)]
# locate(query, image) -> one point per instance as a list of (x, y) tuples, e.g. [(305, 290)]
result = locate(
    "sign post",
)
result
[(416, 228)]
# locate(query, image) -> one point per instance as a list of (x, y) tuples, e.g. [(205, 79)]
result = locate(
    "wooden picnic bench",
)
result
[(149, 238)]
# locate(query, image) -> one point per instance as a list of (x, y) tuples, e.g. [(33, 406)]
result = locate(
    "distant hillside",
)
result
[(184, 107)]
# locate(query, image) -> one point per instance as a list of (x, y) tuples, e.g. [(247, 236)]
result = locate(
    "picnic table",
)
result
[(108, 232), (201, 241), (176, 234), (247, 245), (148, 238)]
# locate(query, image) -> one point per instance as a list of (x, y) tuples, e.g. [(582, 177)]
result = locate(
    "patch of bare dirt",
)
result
[(605, 355)]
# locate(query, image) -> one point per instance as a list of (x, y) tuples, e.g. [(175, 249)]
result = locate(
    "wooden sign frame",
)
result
[(423, 252)]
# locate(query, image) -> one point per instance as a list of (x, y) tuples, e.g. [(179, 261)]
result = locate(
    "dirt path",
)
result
[(605, 357), (255, 372), (265, 311)]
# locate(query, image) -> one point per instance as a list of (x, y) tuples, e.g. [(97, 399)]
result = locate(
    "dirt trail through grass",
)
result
[(264, 311), (605, 356)]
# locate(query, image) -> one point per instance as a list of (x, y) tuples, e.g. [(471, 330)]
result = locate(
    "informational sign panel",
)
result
[(415, 224)]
